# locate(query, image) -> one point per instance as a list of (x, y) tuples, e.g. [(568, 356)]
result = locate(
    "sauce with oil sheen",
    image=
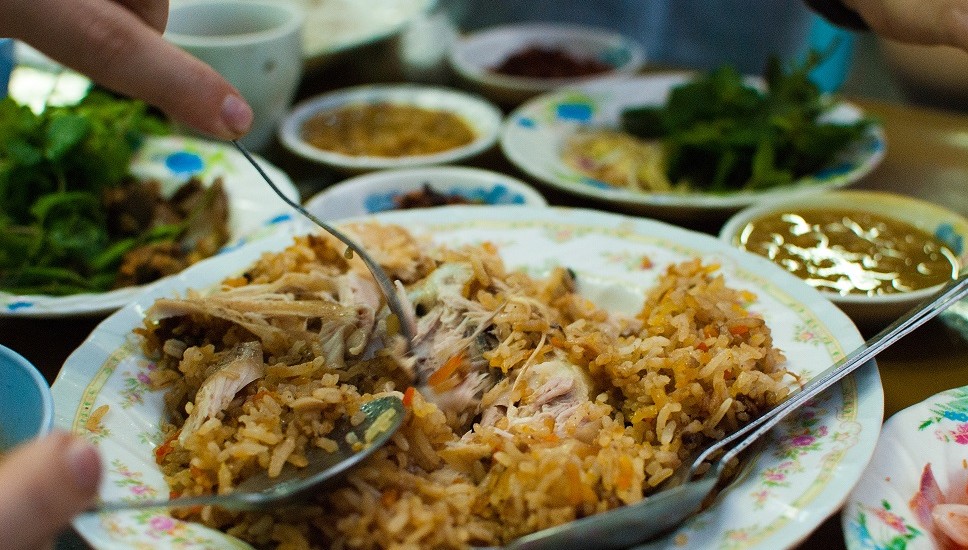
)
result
[(851, 251)]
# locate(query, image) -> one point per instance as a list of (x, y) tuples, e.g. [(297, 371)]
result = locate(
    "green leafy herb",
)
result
[(721, 134), (54, 166)]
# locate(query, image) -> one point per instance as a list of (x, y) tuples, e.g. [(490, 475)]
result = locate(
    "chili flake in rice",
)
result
[(528, 407)]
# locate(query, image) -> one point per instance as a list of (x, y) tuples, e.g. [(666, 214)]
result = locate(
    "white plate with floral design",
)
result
[(254, 212), (801, 477), (878, 513), (534, 138)]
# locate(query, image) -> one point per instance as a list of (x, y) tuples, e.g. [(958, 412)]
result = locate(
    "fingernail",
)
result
[(84, 462), (236, 114)]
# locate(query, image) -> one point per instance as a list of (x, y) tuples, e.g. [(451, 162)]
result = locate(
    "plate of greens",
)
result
[(686, 146), (100, 201)]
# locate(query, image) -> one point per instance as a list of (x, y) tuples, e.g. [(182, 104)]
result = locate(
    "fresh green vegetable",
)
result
[(54, 166), (721, 134)]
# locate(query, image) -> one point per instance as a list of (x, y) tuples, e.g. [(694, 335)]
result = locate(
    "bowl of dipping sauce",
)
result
[(378, 127), (874, 254), (26, 404), (420, 188), (511, 63)]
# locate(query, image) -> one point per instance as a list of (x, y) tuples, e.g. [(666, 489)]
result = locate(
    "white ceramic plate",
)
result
[(533, 138), (336, 27), (482, 117), (379, 191), (811, 463), (254, 212), (935, 431)]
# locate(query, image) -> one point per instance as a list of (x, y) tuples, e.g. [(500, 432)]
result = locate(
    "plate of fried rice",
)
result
[(566, 361)]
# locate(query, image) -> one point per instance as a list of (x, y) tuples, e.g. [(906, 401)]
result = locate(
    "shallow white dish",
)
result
[(254, 211), (474, 56), (533, 138), (335, 28), (948, 226), (802, 477), (378, 191), (483, 118), (877, 513)]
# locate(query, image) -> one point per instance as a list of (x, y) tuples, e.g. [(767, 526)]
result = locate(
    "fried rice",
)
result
[(527, 406)]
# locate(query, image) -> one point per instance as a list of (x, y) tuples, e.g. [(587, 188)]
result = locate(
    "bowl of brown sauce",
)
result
[(376, 127), (874, 254), (511, 63)]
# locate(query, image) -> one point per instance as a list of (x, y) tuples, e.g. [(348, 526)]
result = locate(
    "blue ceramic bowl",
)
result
[(26, 404)]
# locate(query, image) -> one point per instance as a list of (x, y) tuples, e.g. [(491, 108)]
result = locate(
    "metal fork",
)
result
[(381, 277)]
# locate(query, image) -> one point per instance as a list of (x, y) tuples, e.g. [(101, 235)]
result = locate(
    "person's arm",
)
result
[(119, 45), (928, 22), (43, 485)]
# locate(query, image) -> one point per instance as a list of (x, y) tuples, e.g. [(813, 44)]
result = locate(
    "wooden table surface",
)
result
[(927, 157)]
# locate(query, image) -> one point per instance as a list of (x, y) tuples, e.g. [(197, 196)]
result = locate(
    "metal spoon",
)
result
[(667, 509), (382, 279), (260, 490)]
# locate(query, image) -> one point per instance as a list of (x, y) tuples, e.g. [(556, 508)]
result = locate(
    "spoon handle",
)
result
[(917, 316), (238, 501)]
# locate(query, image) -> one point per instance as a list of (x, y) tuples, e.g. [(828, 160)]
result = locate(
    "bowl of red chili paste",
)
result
[(511, 63)]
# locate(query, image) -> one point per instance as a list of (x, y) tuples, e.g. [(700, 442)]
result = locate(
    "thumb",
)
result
[(44, 484)]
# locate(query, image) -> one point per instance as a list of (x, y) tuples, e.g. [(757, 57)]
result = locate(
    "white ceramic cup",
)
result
[(255, 44)]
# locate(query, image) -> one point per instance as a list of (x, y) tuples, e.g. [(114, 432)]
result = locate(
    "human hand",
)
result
[(916, 21), (119, 45), (43, 485)]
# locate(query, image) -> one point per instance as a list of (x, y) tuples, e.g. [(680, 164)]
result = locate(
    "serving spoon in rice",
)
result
[(695, 481), (382, 417)]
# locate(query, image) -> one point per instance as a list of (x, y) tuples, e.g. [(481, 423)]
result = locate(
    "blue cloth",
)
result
[(699, 34), (6, 64)]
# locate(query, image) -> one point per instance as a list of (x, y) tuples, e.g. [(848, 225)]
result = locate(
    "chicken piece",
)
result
[(335, 315), (555, 389), (554, 386), (241, 365), (450, 341)]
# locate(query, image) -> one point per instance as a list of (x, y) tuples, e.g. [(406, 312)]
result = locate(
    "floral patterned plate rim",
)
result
[(877, 513), (797, 481), (533, 138), (254, 212)]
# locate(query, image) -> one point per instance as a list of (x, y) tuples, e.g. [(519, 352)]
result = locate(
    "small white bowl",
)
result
[(474, 57), (378, 191), (483, 118), (26, 403), (879, 310)]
